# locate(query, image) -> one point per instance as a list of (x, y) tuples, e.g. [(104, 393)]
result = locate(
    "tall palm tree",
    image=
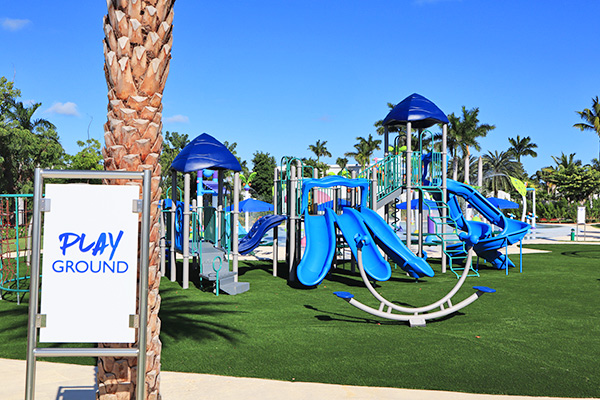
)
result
[(497, 167), (466, 132), (137, 52), (23, 116), (320, 149), (364, 150), (522, 147), (591, 118)]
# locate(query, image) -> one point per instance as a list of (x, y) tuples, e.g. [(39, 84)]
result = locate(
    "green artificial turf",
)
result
[(539, 335)]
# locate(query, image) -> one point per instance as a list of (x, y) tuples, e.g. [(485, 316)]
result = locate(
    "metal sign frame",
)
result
[(35, 318)]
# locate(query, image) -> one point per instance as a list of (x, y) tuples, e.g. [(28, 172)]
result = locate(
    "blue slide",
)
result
[(258, 230), (486, 245), (351, 224), (390, 243), (320, 248)]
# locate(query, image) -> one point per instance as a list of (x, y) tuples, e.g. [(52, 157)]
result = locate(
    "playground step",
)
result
[(224, 276), (234, 288)]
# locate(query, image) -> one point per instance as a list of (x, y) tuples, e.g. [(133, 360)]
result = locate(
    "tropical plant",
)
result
[(341, 162), (522, 147), (465, 131), (320, 149), (497, 167), (25, 143), (137, 53), (364, 150), (591, 118)]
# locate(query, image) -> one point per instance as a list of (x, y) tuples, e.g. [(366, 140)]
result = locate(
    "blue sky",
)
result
[(276, 76)]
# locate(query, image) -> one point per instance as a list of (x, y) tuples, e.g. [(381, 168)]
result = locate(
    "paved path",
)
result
[(75, 382)]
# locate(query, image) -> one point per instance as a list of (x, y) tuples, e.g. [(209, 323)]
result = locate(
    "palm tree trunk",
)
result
[(137, 51), (467, 164), (455, 168)]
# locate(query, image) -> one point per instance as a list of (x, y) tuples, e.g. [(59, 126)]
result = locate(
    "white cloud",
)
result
[(177, 118), (67, 108), (14, 25)]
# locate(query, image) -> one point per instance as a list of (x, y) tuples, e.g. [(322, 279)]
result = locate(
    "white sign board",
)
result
[(581, 215), (89, 268)]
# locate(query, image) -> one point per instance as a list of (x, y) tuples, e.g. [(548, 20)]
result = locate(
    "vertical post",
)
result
[(292, 220), (275, 230), (386, 141), (186, 231), (480, 172), (298, 241), (373, 189), (408, 183), (143, 285), (219, 235), (163, 239), (533, 220), (173, 259), (236, 213), (34, 286), (444, 192)]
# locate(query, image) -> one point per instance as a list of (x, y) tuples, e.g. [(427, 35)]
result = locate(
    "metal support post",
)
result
[(275, 230), (186, 232), (444, 193), (236, 222), (408, 183)]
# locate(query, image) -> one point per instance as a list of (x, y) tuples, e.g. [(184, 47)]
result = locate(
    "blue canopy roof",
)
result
[(416, 109), (205, 152)]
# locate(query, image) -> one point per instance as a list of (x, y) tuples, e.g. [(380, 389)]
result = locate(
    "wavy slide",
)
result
[(320, 234), (258, 230), (486, 246)]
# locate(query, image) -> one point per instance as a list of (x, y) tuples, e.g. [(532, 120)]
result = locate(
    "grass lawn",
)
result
[(539, 335)]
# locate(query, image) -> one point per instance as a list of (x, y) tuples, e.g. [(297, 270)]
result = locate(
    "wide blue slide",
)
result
[(351, 224), (390, 243), (320, 248), (258, 230)]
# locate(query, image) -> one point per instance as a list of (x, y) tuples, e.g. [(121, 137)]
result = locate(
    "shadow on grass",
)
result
[(183, 318)]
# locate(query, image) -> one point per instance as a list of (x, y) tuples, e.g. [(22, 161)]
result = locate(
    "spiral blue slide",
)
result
[(485, 244)]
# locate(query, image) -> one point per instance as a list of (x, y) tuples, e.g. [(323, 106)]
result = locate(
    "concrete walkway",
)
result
[(75, 382)]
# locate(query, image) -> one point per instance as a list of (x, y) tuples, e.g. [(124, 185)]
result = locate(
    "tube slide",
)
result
[(320, 248), (390, 243), (258, 230)]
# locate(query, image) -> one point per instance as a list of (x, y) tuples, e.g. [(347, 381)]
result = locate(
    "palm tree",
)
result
[(364, 150), (467, 131), (23, 116), (137, 52), (497, 167), (452, 143), (319, 149), (522, 147), (591, 118), (566, 162)]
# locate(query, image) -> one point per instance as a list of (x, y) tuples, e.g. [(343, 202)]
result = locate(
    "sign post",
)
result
[(91, 241)]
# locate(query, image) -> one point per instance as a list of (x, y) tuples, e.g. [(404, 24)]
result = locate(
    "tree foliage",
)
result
[(364, 150), (25, 143), (264, 166)]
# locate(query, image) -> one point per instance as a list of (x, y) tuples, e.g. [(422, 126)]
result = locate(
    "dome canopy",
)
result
[(205, 152), (416, 109)]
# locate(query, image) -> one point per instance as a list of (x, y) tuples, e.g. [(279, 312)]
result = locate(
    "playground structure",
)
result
[(15, 244), (210, 241), (354, 206)]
